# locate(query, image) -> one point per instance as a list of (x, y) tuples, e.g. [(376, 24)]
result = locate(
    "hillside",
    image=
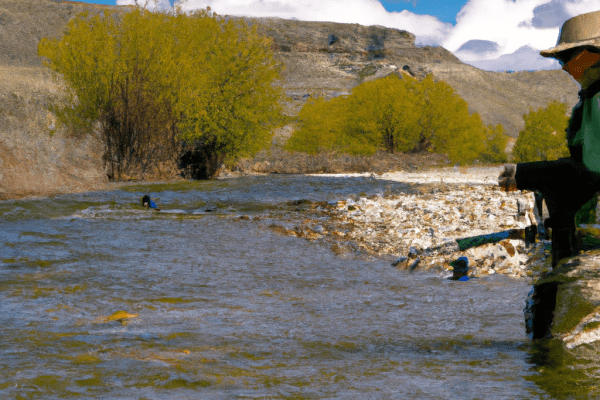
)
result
[(321, 58), (316, 67)]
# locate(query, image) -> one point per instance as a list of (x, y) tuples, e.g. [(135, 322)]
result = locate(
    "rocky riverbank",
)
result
[(418, 229)]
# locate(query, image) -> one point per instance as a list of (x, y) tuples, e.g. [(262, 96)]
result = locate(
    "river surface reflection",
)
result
[(215, 306)]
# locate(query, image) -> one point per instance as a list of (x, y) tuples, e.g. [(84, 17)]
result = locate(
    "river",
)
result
[(101, 298)]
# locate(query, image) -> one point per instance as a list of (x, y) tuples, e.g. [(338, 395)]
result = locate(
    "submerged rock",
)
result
[(562, 315), (571, 293), (400, 261)]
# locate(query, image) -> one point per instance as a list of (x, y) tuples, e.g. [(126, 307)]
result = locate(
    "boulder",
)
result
[(572, 291), (563, 317)]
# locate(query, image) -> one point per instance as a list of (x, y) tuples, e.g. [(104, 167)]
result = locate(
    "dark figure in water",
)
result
[(148, 203), (568, 183), (460, 269)]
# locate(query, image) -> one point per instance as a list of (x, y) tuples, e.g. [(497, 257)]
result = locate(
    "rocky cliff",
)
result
[(321, 59)]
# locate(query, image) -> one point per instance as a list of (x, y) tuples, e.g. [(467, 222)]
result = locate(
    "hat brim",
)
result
[(555, 51)]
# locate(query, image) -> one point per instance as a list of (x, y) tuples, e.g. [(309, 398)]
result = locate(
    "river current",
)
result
[(101, 298)]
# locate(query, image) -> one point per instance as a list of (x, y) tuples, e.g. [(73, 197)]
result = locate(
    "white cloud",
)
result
[(428, 29), (519, 28), (500, 21), (150, 4), (576, 7)]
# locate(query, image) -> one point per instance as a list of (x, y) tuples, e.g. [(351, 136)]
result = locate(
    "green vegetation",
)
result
[(398, 115), (587, 213), (175, 300), (183, 383), (544, 137), (591, 326), (154, 82), (560, 372), (574, 307)]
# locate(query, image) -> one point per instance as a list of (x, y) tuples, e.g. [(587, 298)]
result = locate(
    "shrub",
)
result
[(495, 142), (397, 114), (544, 136), (153, 79)]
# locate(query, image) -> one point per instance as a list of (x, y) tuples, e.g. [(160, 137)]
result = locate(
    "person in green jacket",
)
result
[(568, 183)]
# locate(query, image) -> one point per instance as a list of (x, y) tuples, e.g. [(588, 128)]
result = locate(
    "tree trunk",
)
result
[(201, 162)]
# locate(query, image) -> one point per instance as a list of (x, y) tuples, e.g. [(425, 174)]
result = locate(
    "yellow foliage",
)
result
[(152, 79), (544, 137), (397, 114)]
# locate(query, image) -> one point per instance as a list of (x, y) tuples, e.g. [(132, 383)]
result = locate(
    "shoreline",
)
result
[(424, 175), (440, 205)]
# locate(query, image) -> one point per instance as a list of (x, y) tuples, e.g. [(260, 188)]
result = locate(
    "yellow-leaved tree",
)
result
[(544, 136), (398, 114), (495, 145), (384, 114), (154, 81), (322, 124)]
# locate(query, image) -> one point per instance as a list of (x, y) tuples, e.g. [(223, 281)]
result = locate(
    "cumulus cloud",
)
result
[(549, 15), (150, 4), (479, 46), (576, 7), (500, 21), (519, 28), (428, 29)]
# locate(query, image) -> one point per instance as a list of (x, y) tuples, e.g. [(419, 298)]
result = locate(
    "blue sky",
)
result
[(444, 10), (494, 35)]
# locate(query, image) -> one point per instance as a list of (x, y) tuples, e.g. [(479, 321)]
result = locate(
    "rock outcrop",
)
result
[(565, 303), (36, 158)]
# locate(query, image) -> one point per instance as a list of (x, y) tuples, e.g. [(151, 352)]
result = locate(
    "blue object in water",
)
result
[(463, 278), (147, 202)]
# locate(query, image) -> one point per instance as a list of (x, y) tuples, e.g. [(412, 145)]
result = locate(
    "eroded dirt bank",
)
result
[(37, 158)]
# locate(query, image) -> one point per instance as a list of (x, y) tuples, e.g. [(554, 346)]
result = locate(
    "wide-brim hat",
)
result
[(582, 30)]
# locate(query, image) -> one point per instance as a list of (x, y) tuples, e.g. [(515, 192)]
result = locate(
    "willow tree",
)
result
[(385, 112), (321, 123), (231, 107), (155, 81), (495, 142), (544, 136), (397, 114)]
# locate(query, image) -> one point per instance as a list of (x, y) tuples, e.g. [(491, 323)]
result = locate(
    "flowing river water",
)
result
[(101, 298)]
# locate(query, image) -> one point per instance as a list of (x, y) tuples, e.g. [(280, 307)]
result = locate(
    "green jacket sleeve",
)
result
[(589, 134)]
